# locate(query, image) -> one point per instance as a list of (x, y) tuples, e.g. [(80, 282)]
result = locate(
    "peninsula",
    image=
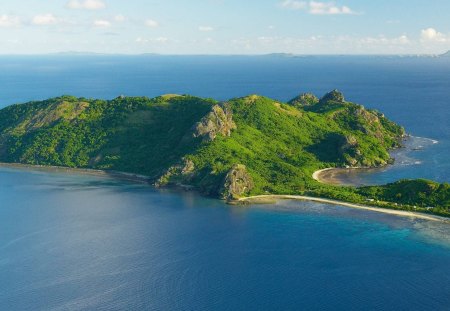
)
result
[(243, 147)]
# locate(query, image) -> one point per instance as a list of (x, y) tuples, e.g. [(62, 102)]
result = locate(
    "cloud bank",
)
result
[(151, 23), (9, 21), (432, 35), (317, 8), (86, 5), (45, 19)]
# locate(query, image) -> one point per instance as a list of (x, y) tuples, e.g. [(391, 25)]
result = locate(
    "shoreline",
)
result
[(330, 175), (137, 178), (274, 197), (336, 176), (318, 176), (258, 199)]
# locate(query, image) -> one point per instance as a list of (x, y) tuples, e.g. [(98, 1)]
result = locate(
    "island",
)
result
[(251, 146), (446, 54)]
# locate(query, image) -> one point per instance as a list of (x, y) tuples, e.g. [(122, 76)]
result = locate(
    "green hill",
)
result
[(412, 192), (245, 146)]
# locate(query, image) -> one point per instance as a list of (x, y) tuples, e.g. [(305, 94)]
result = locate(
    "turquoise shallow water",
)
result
[(73, 242)]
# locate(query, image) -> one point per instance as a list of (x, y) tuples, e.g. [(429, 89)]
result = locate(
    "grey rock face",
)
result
[(304, 100), (237, 183), (334, 95), (218, 121)]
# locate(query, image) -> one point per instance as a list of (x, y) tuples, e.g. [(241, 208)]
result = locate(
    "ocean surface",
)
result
[(78, 242)]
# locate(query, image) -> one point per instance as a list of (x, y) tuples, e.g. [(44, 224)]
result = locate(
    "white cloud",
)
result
[(151, 23), (102, 23), (161, 39), (153, 40), (294, 5), (314, 44), (45, 19), (403, 39), (205, 28), (120, 18), (383, 40), (324, 8), (86, 4), (9, 21), (431, 34), (317, 7)]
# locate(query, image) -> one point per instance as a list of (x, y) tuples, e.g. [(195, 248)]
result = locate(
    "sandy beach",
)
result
[(326, 176), (269, 198), (333, 176), (340, 176)]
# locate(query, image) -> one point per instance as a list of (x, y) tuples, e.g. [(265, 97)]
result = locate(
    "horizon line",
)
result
[(279, 54)]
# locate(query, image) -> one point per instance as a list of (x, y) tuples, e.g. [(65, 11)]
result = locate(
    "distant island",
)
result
[(231, 150), (446, 54)]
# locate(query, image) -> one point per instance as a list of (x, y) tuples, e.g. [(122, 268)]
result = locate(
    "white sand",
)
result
[(352, 205)]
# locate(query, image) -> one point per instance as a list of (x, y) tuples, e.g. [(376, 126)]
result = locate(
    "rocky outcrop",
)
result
[(373, 123), (188, 167), (178, 173), (349, 150), (334, 95), (237, 183), (304, 100), (218, 121)]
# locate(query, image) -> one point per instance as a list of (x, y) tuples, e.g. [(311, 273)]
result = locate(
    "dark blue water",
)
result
[(412, 91), (72, 242)]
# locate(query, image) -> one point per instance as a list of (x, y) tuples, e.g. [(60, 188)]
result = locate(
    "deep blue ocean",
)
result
[(74, 242)]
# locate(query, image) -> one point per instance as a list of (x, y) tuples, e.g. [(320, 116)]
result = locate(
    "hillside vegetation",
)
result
[(245, 146)]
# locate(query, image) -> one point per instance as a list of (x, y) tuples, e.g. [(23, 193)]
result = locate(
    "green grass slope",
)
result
[(137, 135), (281, 145)]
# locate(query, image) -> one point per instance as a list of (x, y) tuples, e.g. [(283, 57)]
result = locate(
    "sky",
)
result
[(225, 26)]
